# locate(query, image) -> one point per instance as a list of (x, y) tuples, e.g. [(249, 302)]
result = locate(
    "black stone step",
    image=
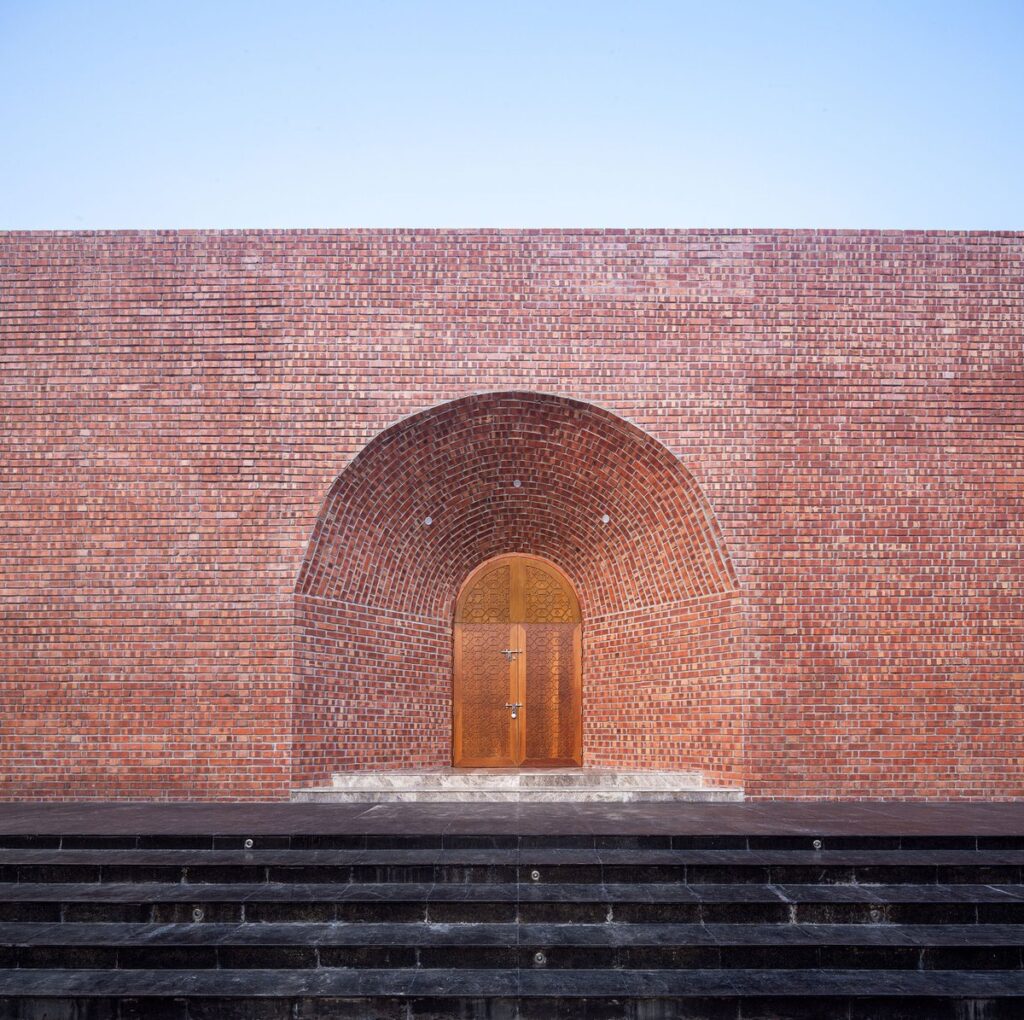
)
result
[(469, 875), (506, 902), (357, 841), (509, 892), (199, 877), (612, 933), (511, 856), (506, 982), (294, 957), (546, 865), (807, 1007), (201, 874), (615, 946)]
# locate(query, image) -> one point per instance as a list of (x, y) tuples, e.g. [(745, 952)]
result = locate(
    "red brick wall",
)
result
[(373, 688), (664, 687), (176, 407)]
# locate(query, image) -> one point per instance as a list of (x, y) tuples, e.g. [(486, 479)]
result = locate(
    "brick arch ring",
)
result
[(438, 493)]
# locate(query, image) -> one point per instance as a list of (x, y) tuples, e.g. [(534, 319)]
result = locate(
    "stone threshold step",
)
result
[(593, 795), (503, 892), (487, 984), (511, 779), (508, 935)]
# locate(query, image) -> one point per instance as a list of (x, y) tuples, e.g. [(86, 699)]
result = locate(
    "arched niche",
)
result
[(442, 491)]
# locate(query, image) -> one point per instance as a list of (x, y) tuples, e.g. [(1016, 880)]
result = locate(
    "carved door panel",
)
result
[(517, 667), (486, 678), (551, 668)]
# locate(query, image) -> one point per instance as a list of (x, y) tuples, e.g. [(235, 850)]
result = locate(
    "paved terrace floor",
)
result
[(816, 818)]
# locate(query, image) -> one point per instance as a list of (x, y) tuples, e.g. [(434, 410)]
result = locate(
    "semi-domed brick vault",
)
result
[(441, 492)]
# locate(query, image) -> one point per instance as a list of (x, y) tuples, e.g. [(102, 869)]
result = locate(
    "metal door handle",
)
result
[(509, 652), (515, 706)]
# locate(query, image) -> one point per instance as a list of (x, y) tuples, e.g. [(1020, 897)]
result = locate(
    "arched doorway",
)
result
[(517, 692)]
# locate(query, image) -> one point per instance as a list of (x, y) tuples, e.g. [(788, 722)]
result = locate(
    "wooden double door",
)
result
[(518, 696)]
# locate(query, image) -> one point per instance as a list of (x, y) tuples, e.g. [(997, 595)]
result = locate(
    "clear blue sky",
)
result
[(486, 113)]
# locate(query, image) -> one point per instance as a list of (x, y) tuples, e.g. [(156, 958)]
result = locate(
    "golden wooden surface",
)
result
[(527, 605)]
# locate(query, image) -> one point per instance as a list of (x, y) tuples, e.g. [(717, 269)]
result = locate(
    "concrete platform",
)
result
[(550, 785)]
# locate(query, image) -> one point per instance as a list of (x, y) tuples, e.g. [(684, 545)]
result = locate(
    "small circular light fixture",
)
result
[(517, 484), (605, 519), (428, 520)]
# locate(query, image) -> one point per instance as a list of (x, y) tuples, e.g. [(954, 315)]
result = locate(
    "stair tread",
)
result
[(490, 983), (504, 934), (134, 892), (305, 841)]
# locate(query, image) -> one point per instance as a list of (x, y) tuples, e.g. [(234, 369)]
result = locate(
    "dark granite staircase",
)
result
[(510, 926)]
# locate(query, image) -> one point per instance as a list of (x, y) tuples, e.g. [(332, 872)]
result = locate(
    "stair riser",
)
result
[(693, 874), (96, 957), (520, 796), (634, 857), (507, 1008), (591, 912), (479, 781)]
